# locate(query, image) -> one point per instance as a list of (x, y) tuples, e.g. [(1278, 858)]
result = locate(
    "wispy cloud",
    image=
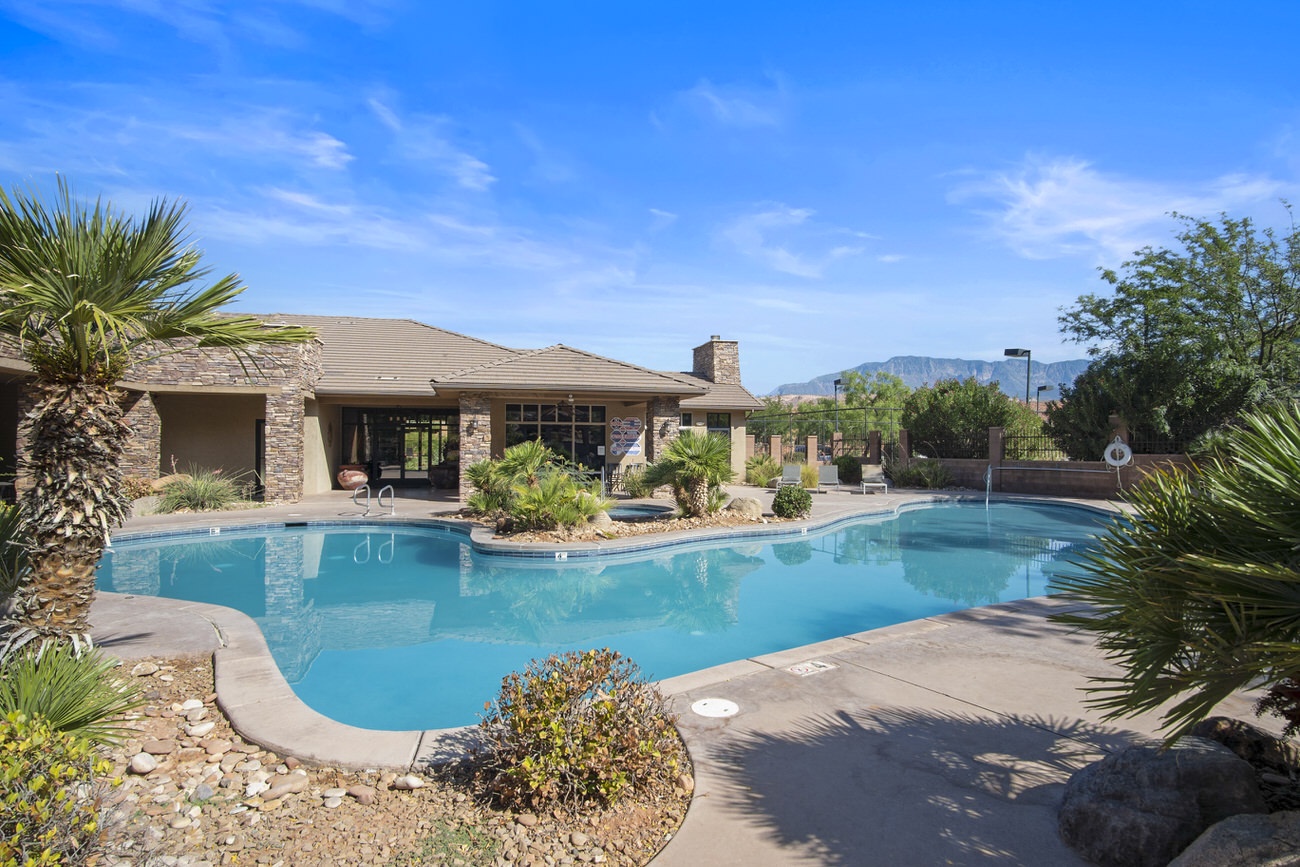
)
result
[(771, 234), (422, 141), (1046, 208), (739, 105), (661, 219)]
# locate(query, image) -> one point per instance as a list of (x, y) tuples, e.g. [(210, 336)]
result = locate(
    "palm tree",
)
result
[(696, 466), (1195, 596), (84, 293)]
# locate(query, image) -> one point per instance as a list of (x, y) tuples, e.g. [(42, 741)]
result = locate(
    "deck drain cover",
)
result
[(812, 666), (716, 707)]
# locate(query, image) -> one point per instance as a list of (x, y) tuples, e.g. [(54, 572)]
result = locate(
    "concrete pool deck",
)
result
[(940, 741)]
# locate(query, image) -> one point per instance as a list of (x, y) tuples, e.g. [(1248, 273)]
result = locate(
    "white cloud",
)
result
[(740, 106), (421, 140), (661, 219), (1046, 208), (770, 236)]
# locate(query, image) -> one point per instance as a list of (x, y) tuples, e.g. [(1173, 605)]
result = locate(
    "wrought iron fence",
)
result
[(1031, 447), (953, 446)]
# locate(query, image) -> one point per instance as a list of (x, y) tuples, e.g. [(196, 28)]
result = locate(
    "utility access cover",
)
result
[(715, 707), (812, 666)]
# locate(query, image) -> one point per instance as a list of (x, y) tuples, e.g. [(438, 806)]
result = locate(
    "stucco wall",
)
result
[(211, 431), (320, 427)]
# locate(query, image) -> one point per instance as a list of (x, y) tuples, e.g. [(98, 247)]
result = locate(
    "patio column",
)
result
[(475, 435), (283, 459), (665, 424), (143, 455), (810, 456), (997, 451)]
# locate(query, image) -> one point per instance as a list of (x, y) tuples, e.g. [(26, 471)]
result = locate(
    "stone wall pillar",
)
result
[(475, 435), (664, 425), (142, 456), (873, 447), (810, 456), (904, 447), (283, 461), (22, 447), (997, 451), (749, 446), (774, 449)]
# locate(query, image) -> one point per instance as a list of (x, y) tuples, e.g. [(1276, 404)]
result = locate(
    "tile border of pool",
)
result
[(263, 708)]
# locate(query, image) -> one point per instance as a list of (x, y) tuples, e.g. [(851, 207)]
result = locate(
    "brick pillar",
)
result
[(749, 446), (475, 435), (774, 450), (665, 423), (143, 455), (284, 445), (873, 447), (837, 445), (904, 447), (997, 450), (810, 450)]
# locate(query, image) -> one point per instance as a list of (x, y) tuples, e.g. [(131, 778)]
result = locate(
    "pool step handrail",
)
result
[(379, 501), (358, 490)]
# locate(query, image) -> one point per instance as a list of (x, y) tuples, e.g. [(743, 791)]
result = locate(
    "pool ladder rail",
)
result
[(379, 500)]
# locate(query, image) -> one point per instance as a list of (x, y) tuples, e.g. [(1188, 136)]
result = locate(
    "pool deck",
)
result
[(940, 741)]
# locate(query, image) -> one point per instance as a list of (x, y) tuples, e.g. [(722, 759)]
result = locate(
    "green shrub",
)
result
[(850, 468), (71, 692), (51, 804), (577, 728), (534, 487), (201, 490), (136, 487), (635, 484), (792, 502), (808, 477), (760, 470), (928, 474), (555, 500), (13, 549)]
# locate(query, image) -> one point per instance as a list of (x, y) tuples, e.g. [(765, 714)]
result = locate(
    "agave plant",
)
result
[(1198, 594), (75, 692)]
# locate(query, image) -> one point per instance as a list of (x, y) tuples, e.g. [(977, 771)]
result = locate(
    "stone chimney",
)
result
[(718, 361)]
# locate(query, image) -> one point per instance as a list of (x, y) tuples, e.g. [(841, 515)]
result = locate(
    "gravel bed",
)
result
[(195, 793)]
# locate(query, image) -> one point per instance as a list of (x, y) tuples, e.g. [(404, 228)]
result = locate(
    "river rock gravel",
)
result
[(194, 793)]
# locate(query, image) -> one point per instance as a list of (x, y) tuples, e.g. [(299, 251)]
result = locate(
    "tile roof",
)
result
[(563, 368)]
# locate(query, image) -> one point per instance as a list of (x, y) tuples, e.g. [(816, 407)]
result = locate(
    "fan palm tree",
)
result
[(85, 292), (1198, 595), (696, 466)]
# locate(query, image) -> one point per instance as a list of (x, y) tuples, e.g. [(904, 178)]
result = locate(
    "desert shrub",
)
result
[(808, 477), (577, 728), (534, 487), (69, 691), (50, 810), (635, 484), (928, 474), (850, 467), (136, 487), (760, 470), (555, 500), (200, 490), (791, 502)]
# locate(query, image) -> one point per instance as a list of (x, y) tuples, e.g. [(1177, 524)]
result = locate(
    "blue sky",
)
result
[(828, 183)]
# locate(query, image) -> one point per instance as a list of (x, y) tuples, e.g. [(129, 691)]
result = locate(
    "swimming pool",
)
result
[(403, 627)]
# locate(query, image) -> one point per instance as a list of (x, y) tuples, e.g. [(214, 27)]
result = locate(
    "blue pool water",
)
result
[(393, 627)]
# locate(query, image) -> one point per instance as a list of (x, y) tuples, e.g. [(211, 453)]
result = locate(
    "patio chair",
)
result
[(790, 475), (828, 474), (874, 480)]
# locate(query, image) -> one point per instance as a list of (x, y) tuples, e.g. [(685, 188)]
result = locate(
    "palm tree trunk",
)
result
[(698, 497), (76, 500)]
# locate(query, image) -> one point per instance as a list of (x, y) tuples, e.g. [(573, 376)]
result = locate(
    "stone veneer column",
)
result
[(283, 462), (22, 447), (143, 454), (665, 424), (475, 435)]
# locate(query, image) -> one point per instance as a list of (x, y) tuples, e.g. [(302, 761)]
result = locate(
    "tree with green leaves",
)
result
[(1195, 596), (1188, 339), (696, 467), (85, 292), (952, 418)]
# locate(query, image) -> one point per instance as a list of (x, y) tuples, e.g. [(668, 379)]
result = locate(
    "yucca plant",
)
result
[(696, 467), (200, 490), (85, 292), (1197, 595), (71, 691)]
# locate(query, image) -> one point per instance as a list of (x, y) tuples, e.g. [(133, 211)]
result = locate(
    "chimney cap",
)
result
[(715, 336)]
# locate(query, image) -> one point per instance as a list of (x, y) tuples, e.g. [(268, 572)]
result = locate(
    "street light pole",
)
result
[(837, 404), (1029, 364), (1039, 397)]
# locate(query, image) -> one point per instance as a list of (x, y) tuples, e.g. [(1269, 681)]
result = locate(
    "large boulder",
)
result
[(1143, 805), (1250, 742), (1248, 840), (750, 507)]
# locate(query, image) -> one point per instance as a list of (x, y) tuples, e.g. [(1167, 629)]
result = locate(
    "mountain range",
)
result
[(918, 370)]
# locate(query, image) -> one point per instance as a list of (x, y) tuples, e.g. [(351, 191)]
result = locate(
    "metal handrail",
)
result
[(392, 500)]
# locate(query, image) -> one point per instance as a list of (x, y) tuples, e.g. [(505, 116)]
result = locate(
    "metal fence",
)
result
[(1031, 447), (953, 446)]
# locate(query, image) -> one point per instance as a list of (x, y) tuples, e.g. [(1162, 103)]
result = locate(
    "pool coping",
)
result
[(263, 708)]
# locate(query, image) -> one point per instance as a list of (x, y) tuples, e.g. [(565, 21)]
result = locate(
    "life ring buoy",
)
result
[(1118, 454)]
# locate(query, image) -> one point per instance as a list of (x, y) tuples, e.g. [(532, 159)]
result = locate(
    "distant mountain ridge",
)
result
[(918, 370)]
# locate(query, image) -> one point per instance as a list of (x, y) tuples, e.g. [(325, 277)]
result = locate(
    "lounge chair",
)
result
[(874, 480), (828, 474), (790, 475)]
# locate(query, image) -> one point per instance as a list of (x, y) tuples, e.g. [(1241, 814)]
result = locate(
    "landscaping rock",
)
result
[(600, 519), (142, 763), (1248, 840), (749, 507), (1249, 742), (1142, 806)]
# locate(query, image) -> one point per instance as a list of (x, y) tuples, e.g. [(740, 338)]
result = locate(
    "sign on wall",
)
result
[(625, 436)]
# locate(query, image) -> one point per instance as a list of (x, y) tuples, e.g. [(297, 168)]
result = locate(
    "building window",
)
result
[(719, 423), (576, 431), (686, 420)]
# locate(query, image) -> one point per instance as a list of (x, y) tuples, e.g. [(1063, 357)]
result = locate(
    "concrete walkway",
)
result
[(941, 741)]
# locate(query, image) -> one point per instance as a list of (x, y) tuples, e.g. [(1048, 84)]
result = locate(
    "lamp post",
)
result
[(838, 382), (1022, 353), (1038, 397)]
